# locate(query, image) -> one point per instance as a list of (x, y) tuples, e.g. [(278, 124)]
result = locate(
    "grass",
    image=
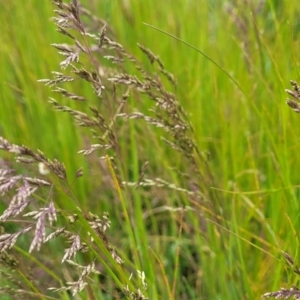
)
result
[(219, 231)]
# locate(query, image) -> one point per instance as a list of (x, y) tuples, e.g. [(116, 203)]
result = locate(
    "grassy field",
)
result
[(213, 222)]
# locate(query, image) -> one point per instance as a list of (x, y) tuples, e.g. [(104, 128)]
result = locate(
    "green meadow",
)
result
[(232, 63)]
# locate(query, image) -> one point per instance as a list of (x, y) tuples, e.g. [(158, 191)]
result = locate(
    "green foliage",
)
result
[(228, 247)]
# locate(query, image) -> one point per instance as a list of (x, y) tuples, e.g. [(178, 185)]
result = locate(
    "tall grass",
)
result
[(206, 224)]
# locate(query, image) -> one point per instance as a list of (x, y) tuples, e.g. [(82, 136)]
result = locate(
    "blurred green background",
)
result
[(251, 135)]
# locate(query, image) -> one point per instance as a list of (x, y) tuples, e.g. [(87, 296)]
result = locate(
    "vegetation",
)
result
[(183, 181)]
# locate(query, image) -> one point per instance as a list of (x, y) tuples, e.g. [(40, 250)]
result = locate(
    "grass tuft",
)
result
[(141, 169)]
